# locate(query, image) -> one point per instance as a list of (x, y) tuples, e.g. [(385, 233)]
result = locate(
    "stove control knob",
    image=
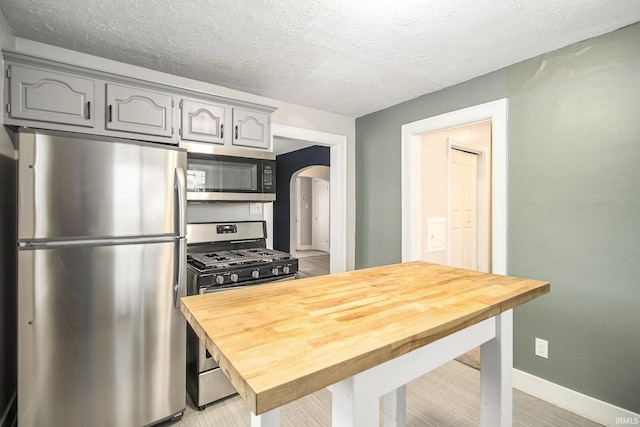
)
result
[(275, 271), (219, 280), (234, 277), (255, 274), (285, 269)]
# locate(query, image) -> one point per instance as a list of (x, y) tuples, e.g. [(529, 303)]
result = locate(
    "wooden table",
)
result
[(363, 334)]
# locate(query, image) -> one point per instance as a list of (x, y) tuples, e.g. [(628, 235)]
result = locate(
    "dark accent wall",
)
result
[(286, 165), (573, 203)]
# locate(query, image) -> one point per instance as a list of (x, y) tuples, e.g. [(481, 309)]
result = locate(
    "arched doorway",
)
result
[(289, 166), (309, 191)]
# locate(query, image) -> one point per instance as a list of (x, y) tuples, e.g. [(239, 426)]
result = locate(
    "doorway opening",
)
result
[(413, 212), (455, 200), (310, 195), (337, 186), (310, 220)]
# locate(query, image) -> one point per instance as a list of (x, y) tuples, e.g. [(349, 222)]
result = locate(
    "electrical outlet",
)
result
[(542, 348)]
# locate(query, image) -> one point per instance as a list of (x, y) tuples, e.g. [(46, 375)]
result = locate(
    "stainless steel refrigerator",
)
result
[(101, 268)]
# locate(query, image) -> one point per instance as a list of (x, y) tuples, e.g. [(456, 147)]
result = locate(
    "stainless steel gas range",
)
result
[(221, 257)]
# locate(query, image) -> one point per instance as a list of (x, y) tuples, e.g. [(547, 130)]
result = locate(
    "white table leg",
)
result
[(353, 405), (395, 407), (268, 419), (496, 371), (355, 400)]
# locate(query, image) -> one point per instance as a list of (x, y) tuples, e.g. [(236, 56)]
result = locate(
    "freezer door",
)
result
[(101, 342), (73, 188)]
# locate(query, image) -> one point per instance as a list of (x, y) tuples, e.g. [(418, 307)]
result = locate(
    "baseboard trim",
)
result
[(9, 416), (578, 403)]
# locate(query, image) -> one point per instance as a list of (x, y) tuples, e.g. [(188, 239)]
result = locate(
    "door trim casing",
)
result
[(411, 137)]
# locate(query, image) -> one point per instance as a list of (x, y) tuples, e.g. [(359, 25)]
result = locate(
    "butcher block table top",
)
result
[(281, 341)]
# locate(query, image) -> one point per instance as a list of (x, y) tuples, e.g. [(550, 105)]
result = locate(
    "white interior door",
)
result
[(464, 209), (321, 214)]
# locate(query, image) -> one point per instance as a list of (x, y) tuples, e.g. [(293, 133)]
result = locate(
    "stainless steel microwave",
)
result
[(218, 173)]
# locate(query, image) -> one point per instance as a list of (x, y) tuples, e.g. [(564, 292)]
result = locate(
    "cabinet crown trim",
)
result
[(11, 56)]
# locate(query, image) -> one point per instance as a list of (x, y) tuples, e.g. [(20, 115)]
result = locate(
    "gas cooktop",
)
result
[(236, 257)]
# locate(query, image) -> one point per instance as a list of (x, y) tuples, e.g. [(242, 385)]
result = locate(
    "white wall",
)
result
[(286, 114)]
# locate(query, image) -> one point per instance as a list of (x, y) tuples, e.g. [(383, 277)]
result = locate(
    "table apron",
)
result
[(397, 372)]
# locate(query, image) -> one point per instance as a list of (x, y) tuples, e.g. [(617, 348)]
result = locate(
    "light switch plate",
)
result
[(436, 234)]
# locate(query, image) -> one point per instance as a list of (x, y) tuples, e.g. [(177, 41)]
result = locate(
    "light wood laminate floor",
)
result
[(447, 396)]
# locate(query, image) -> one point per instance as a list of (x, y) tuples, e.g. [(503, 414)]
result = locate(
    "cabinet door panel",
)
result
[(203, 121), (136, 110), (251, 128), (49, 96)]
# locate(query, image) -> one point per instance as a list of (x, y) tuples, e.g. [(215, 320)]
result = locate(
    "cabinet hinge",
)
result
[(180, 132), (8, 108), (9, 72), (173, 104), (180, 104), (172, 130)]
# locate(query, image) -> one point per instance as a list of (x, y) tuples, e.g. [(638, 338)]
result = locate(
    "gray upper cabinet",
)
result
[(50, 96), (142, 111), (203, 121), (251, 128)]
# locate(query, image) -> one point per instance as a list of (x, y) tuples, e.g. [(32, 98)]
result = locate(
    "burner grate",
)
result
[(236, 257)]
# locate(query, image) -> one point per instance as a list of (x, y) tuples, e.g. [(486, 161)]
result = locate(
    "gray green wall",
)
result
[(573, 204)]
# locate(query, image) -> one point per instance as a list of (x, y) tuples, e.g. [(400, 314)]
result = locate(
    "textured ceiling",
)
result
[(350, 57)]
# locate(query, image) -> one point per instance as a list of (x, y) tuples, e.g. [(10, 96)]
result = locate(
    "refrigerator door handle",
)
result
[(181, 261), (182, 201), (178, 287)]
